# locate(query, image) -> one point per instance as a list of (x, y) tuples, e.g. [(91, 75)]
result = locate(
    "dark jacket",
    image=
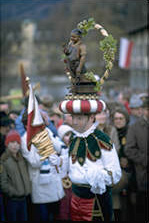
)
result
[(136, 150), (14, 177)]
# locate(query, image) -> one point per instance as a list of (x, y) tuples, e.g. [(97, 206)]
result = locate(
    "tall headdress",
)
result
[(83, 96)]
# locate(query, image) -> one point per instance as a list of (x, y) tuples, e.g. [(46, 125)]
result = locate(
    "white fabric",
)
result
[(55, 160), (63, 129), (64, 169), (63, 106), (76, 106), (88, 132), (95, 173), (43, 190), (94, 106)]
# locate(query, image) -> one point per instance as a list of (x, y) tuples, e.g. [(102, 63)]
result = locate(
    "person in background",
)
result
[(56, 118), (135, 106), (120, 118), (137, 151), (104, 125), (4, 129), (123, 98), (64, 132), (18, 121), (67, 119), (47, 188), (4, 107), (15, 182)]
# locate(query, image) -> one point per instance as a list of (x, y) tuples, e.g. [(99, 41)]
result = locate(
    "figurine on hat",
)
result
[(92, 158)]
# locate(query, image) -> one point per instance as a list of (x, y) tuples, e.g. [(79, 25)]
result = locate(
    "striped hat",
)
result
[(82, 106)]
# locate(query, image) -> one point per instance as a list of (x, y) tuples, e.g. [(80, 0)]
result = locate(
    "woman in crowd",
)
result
[(120, 118)]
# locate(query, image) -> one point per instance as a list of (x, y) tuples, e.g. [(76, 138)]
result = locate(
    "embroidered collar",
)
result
[(89, 146), (89, 131)]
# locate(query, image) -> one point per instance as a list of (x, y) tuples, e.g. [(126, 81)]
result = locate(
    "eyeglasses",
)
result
[(119, 118)]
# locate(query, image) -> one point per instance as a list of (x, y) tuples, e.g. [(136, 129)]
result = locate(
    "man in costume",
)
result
[(93, 162)]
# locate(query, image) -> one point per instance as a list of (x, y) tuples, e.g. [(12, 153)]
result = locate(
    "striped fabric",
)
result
[(82, 106)]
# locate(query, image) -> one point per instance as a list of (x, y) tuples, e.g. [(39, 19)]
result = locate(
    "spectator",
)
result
[(4, 107), (103, 120), (67, 119), (47, 189), (18, 122), (135, 109), (56, 118), (15, 183), (123, 98), (137, 151), (120, 119), (4, 129), (64, 132)]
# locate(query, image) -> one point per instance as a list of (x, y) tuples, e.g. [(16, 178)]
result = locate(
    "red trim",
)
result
[(100, 106), (128, 58), (85, 106), (60, 108), (32, 130), (69, 106), (81, 208)]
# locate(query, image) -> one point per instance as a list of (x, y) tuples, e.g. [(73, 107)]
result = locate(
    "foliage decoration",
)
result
[(107, 45)]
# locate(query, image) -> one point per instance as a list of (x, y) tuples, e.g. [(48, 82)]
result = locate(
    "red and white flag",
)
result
[(126, 47), (35, 123)]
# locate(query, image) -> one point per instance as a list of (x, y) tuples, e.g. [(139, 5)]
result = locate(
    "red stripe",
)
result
[(60, 108), (128, 57), (32, 130), (85, 106), (100, 106), (69, 107)]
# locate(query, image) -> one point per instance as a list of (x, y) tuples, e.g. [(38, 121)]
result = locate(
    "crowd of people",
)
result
[(26, 195)]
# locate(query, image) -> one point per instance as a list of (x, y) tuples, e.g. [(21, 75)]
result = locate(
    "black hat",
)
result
[(146, 103), (4, 119), (77, 32)]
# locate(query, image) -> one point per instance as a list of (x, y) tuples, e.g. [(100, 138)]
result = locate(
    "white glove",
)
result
[(95, 178), (55, 160)]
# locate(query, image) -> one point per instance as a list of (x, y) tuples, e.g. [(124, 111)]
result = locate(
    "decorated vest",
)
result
[(89, 147)]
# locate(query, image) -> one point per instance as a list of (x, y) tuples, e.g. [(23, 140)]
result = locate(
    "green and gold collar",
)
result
[(90, 146)]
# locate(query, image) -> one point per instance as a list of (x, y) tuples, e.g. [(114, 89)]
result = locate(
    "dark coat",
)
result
[(14, 177), (137, 150)]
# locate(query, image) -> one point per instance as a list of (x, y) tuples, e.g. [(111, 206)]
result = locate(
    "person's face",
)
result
[(82, 123), (13, 116), (4, 129), (146, 113), (55, 119), (13, 147), (136, 111), (68, 119), (4, 107), (66, 138), (119, 120), (74, 38), (101, 117)]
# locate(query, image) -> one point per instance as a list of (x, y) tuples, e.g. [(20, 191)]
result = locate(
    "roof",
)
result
[(139, 29)]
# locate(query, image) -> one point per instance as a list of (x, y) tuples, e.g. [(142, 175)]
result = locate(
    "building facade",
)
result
[(139, 59)]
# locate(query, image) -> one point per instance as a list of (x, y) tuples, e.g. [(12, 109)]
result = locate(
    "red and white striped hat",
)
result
[(82, 106)]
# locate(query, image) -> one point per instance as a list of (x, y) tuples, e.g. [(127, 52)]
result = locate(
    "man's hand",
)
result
[(55, 160)]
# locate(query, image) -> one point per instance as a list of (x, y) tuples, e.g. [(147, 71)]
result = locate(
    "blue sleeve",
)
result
[(19, 125), (52, 127)]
